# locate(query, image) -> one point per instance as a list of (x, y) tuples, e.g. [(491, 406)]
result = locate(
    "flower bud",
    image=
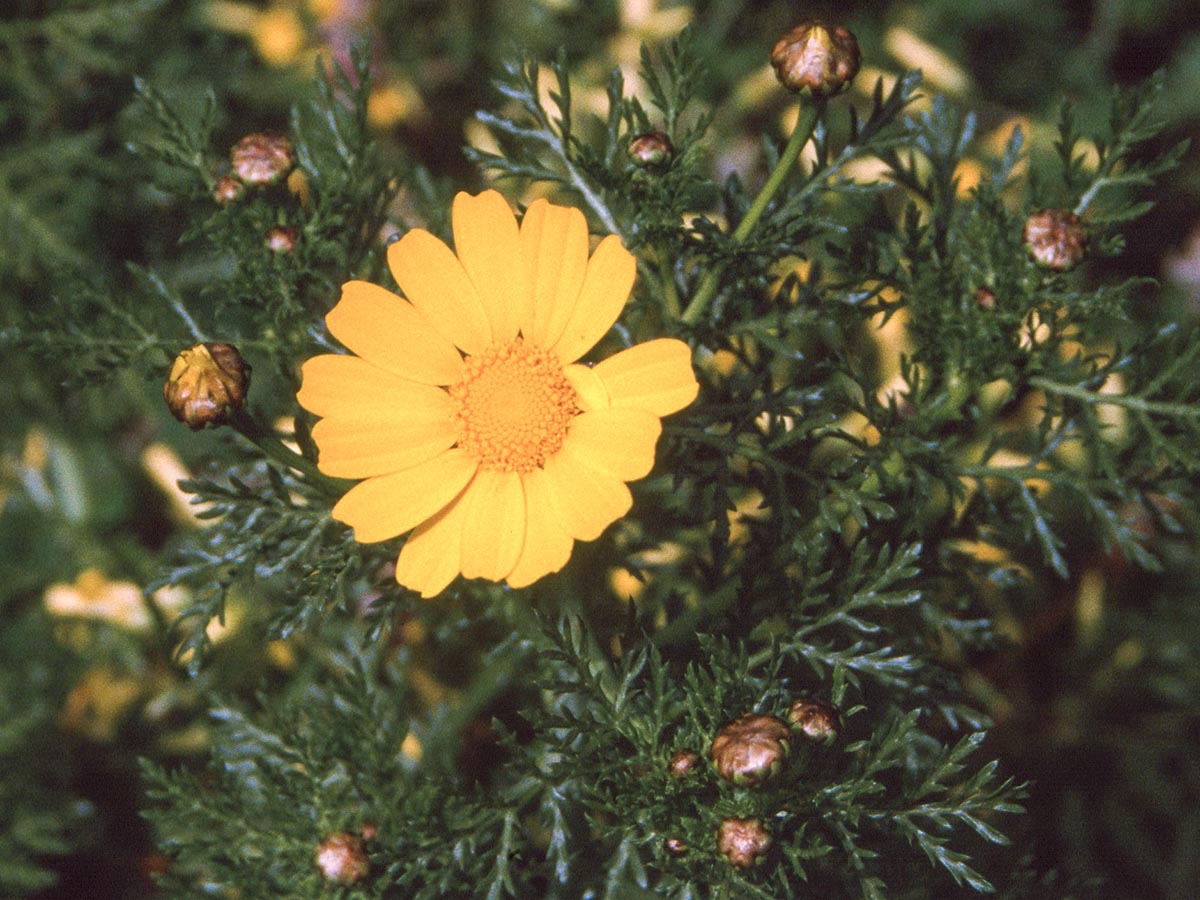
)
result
[(262, 158), (683, 763), (823, 58), (751, 748), (281, 239), (743, 842), (206, 385), (228, 189), (985, 298), (341, 857), (651, 150), (1055, 238), (675, 846), (815, 719)]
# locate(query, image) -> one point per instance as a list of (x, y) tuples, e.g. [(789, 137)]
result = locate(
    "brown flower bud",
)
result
[(751, 748), (675, 846), (206, 385), (262, 158), (228, 189), (823, 58), (369, 831), (683, 763), (281, 239), (1055, 238), (815, 719), (651, 150), (341, 857), (985, 298), (743, 842)]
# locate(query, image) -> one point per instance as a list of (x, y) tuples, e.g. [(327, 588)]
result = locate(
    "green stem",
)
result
[(1138, 403), (670, 295), (278, 451), (800, 136)]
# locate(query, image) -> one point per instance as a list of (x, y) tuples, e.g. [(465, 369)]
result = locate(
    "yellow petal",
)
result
[(434, 280), (389, 505), (584, 501), (547, 547), (589, 389), (606, 287), (432, 555), (655, 376), (487, 241), (494, 524), (355, 447), (554, 245), (387, 331), (618, 442), (339, 384)]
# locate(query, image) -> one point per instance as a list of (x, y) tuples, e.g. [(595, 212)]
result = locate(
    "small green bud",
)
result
[(814, 719), (651, 150)]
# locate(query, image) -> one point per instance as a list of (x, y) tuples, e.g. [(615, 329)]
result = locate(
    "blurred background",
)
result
[(1096, 697)]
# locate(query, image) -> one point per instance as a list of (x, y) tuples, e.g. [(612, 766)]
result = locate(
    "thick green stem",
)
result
[(275, 449), (800, 136), (670, 295)]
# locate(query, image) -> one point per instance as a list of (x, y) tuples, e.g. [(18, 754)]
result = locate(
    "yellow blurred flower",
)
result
[(279, 36), (95, 596), (96, 704), (166, 470)]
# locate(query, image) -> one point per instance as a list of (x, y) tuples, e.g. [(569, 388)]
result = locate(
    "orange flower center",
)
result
[(513, 407)]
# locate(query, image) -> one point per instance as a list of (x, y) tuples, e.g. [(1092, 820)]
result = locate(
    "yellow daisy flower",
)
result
[(464, 406)]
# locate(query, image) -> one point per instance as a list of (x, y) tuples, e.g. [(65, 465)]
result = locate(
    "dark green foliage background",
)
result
[(546, 776)]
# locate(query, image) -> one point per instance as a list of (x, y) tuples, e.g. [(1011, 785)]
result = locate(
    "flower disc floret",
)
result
[(513, 407)]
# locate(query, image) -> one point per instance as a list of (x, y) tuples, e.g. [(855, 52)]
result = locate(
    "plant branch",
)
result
[(800, 136)]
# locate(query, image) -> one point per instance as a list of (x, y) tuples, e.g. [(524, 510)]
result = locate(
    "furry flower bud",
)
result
[(1055, 238), (341, 857), (262, 158), (743, 842), (751, 748), (823, 58), (206, 385)]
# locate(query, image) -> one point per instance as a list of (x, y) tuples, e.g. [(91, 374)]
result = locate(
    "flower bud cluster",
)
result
[(748, 751), (260, 160)]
